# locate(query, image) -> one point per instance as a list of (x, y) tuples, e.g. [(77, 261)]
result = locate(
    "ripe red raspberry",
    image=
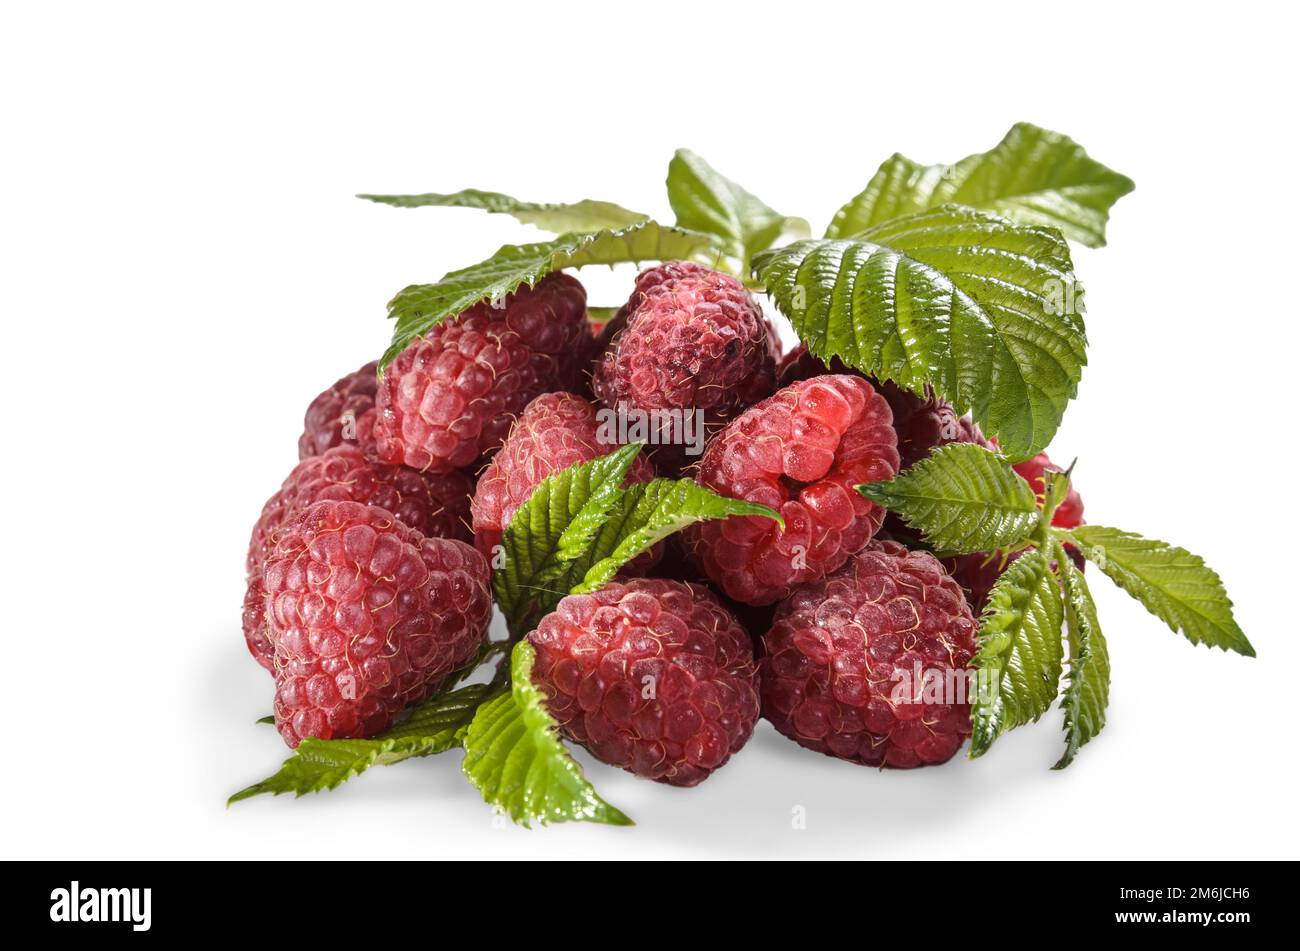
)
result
[(868, 663), (801, 364), (653, 277), (978, 572), (451, 396), (922, 424), (343, 413), (690, 338), (668, 273), (676, 564), (367, 616), (254, 623), (1069, 514), (802, 452), (556, 430), (435, 505), (654, 676)]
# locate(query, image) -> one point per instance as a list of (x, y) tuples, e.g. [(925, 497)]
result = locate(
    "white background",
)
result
[(183, 267)]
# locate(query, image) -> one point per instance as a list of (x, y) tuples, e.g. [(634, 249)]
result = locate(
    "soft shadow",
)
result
[(778, 799)]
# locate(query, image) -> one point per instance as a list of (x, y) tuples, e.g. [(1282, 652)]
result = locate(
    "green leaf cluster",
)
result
[(1040, 614), (580, 525), (953, 277)]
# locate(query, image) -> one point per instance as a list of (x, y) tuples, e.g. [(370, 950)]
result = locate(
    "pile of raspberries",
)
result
[(369, 570)]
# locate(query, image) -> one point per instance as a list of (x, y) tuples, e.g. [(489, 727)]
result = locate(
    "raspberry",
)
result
[(677, 564), (801, 452), (1069, 514), (978, 572), (691, 339), (650, 675), (669, 273), (367, 616), (449, 397), (434, 505), (254, 622), (800, 364), (922, 424), (861, 665), (653, 277), (343, 413), (556, 430)]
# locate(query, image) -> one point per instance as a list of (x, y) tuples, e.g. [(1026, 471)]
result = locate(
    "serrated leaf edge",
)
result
[(526, 704), (1095, 553), (1088, 654), (1015, 520)]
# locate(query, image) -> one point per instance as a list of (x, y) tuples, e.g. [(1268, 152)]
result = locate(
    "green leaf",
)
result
[(554, 526), (1172, 583), (575, 217), (1020, 651), (1033, 175), (578, 528), (646, 514), (706, 201), (420, 307), (975, 305), (513, 758), (1087, 689), (433, 727), (962, 498)]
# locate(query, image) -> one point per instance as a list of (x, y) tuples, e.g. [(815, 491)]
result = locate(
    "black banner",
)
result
[(1219, 901)]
